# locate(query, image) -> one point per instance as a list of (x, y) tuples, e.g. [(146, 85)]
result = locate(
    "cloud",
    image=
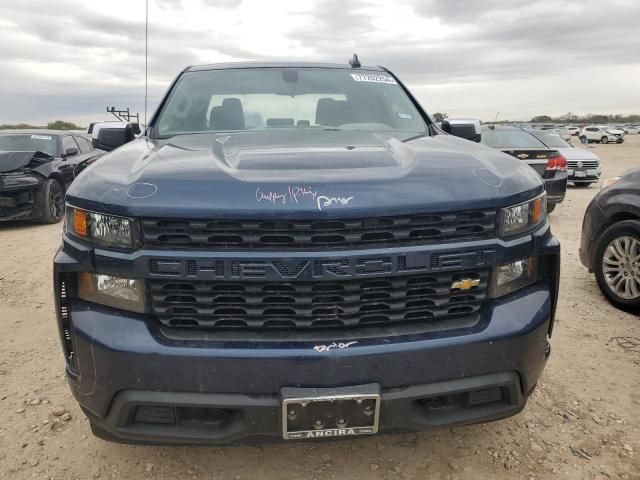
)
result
[(463, 11), (89, 55)]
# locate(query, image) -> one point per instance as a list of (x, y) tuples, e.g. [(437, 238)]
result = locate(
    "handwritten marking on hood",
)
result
[(296, 194), (272, 197), (142, 190), (328, 201), (333, 345), (489, 177)]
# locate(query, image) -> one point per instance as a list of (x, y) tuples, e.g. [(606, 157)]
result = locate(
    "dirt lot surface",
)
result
[(582, 422)]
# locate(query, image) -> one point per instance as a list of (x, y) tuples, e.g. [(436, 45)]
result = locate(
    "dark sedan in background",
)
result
[(36, 167), (610, 243), (523, 145)]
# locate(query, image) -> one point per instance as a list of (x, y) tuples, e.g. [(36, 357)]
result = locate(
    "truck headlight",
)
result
[(513, 276), (101, 229), (524, 217), (117, 292)]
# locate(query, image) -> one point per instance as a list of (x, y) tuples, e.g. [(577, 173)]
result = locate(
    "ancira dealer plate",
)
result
[(336, 415)]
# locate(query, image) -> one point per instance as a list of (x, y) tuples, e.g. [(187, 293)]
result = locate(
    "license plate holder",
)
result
[(580, 173), (329, 413)]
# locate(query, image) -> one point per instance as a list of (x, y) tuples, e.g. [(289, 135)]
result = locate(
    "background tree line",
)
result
[(56, 125), (592, 118), (568, 118)]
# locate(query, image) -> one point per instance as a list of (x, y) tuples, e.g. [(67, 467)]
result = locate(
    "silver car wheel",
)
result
[(621, 267)]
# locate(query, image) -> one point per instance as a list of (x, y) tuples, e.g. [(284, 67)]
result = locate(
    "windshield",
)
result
[(551, 140), (27, 143), (290, 98), (510, 139)]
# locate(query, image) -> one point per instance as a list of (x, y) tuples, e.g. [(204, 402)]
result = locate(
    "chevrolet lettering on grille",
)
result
[(306, 269)]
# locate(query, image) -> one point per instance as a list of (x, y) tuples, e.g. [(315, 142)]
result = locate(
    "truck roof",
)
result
[(229, 65)]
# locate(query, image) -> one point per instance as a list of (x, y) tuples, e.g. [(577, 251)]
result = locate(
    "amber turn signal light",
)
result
[(538, 210), (85, 282), (80, 226)]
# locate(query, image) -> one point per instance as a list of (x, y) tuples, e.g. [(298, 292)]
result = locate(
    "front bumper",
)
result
[(19, 204), (145, 417), (590, 175), (123, 361)]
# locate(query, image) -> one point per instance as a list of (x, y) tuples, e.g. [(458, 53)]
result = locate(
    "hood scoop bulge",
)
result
[(384, 157)]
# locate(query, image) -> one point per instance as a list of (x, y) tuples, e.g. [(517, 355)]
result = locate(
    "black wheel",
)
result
[(52, 201), (617, 264), (583, 139), (582, 185), (604, 140), (550, 207)]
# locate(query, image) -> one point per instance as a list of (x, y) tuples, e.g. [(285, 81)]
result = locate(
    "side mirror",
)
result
[(111, 138), (467, 129), (70, 152)]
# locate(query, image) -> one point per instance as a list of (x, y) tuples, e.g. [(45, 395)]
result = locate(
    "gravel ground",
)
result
[(582, 421)]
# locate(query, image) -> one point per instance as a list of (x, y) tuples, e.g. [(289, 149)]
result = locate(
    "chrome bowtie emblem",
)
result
[(465, 284), (523, 155)]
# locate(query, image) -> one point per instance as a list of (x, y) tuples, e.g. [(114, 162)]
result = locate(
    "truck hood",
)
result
[(307, 172)]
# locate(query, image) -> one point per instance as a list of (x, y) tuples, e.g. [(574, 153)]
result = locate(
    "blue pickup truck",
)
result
[(297, 251)]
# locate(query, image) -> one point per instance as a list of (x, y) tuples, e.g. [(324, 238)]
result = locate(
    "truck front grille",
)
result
[(419, 229), (381, 301)]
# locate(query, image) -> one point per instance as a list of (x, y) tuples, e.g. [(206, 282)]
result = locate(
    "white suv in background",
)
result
[(601, 134)]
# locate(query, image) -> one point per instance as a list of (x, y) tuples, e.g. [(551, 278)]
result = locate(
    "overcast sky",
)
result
[(69, 59)]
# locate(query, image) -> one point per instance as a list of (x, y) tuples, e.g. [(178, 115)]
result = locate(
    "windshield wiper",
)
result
[(415, 137)]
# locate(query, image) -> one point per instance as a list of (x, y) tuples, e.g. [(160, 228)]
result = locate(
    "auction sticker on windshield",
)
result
[(360, 77), (40, 137)]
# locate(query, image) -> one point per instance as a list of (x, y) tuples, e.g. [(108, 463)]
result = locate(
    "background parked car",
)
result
[(610, 243), (601, 134), (574, 131), (36, 167), (583, 166), (548, 162), (632, 130)]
